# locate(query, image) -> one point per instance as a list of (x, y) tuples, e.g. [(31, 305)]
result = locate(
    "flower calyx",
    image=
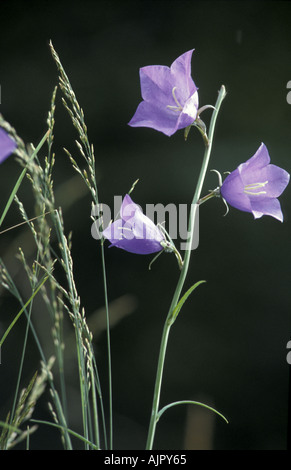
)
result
[(201, 126), (215, 193)]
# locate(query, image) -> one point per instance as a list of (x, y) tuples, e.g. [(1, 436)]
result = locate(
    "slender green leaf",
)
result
[(9, 427), (189, 402), (181, 302), (79, 436), (19, 181), (21, 311)]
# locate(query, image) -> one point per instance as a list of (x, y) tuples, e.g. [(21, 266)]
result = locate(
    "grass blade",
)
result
[(189, 402), (21, 311), (19, 181), (73, 433)]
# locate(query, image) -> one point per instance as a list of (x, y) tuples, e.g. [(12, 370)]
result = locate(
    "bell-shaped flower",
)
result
[(255, 186), (7, 145), (170, 97), (134, 231)]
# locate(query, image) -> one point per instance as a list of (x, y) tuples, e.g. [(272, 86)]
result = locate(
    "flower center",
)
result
[(123, 235), (177, 108), (252, 187)]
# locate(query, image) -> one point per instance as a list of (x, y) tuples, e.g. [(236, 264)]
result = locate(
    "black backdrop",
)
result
[(228, 347)]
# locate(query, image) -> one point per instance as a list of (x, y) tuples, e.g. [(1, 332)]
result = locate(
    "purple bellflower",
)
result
[(255, 186), (170, 97), (134, 231), (7, 145)]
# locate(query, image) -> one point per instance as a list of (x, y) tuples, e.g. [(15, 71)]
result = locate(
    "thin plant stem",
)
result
[(21, 311), (87, 151), (19, 181), (78, 327), (21, 365), (57, 402), (70, 431), (108, 347), (183, 274), (94, 400), (210, 195)]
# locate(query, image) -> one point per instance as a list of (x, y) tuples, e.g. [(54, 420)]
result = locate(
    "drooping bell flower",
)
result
[(7, 145), (255, 186), (170, 97), (134, 231)]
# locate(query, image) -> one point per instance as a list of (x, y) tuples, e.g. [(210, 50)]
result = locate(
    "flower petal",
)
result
[(144, 228), (181, 71), (170, 98), (232, 190), (134, 231), (7, 145), (156, 84), (155, 117), (189, 113), (267, 206), (260, 159), (139, 246), (130, 237), (128, 208), (278, 179), (255, 185), (114, 232)]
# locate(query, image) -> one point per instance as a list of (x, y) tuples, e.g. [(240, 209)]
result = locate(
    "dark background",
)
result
[(228, 346)]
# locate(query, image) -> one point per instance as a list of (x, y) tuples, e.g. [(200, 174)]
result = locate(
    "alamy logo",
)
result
[(176, 217)]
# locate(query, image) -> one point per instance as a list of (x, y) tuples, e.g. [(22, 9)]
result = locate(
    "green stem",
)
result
[(22, 175), (108, 348), (214, 193), (21, 311), (183, 274)]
